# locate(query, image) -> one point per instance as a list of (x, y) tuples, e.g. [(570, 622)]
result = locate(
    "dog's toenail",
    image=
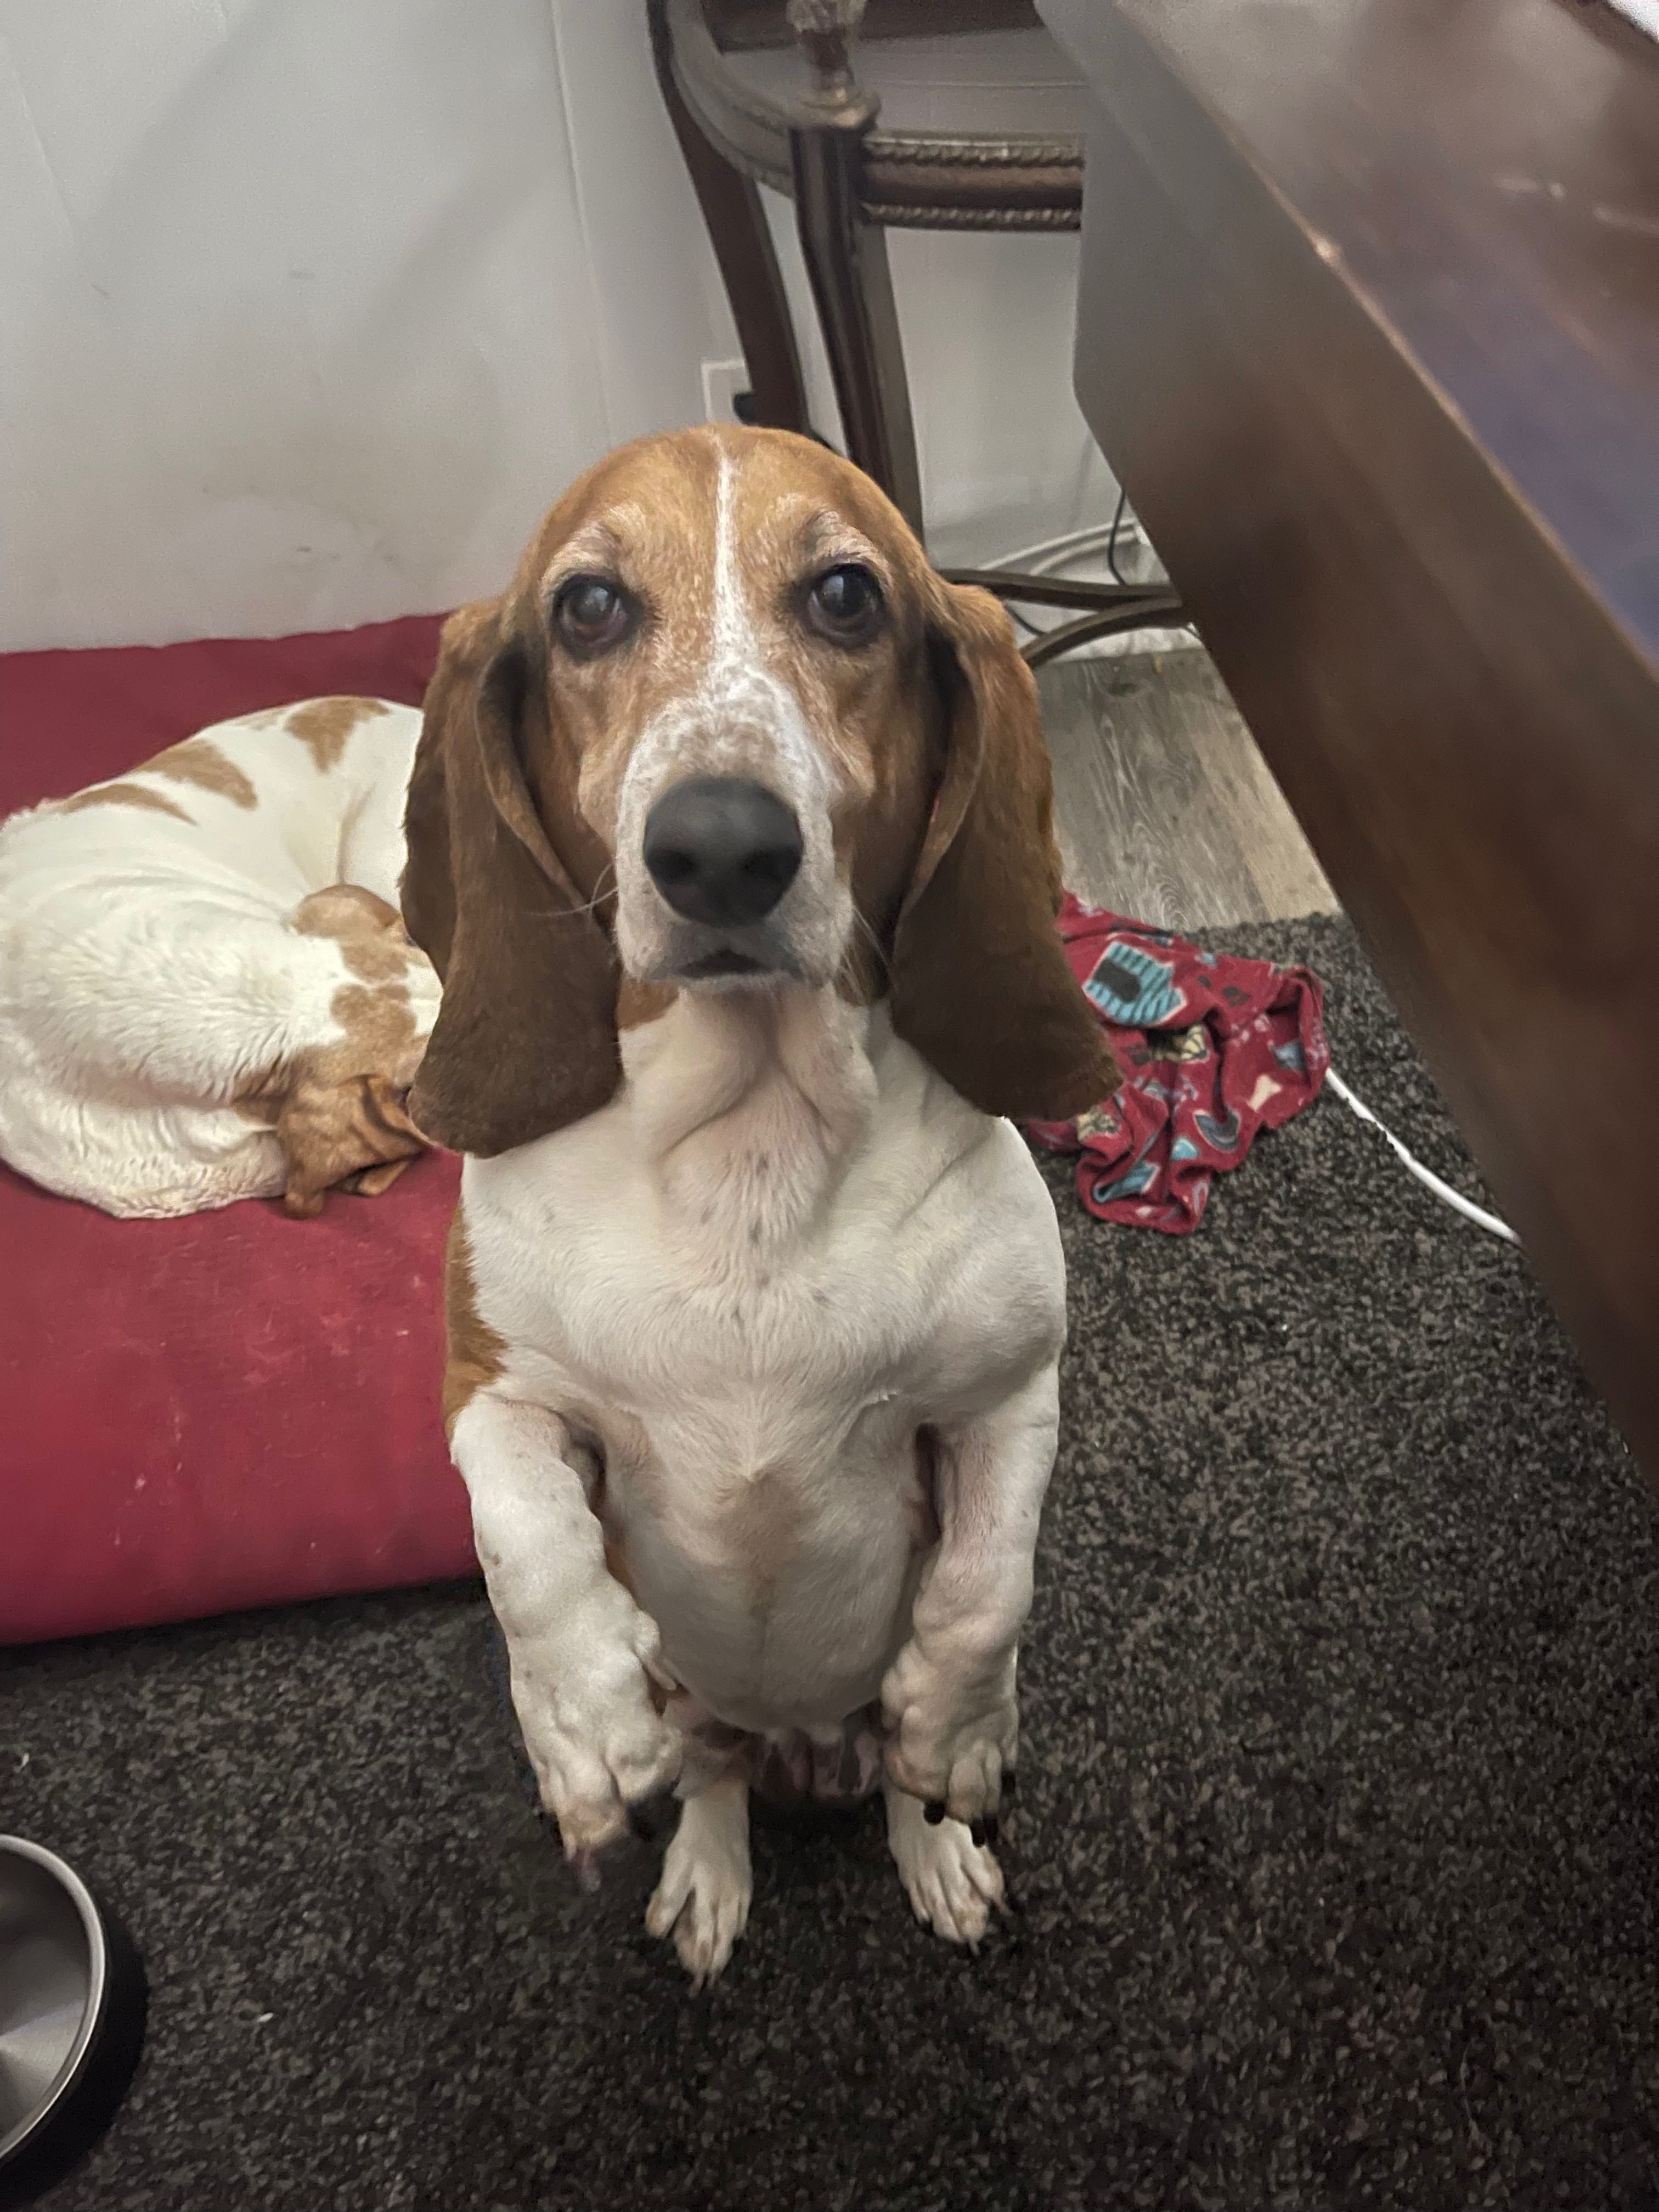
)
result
[(933, 1813), (976, 1830)]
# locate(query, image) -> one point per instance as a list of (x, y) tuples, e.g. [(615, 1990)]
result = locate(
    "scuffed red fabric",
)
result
[(1212, 1050), (232, 1409)]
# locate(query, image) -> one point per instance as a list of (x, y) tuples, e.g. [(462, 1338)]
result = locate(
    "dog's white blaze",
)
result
[(739, 695), (732, 636), (735, 701)]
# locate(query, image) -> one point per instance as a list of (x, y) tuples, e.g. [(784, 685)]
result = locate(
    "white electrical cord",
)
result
[(1426, 1176), (1038, 560)]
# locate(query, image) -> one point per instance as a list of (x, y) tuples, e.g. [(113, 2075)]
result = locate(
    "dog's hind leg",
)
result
[(702, 1899)]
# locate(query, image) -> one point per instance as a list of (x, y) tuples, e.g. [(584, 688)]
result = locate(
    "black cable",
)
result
[(1040, 629), (1111, 543)]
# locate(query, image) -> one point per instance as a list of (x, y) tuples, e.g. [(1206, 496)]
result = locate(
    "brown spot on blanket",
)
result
[(200, 762), (123, 794), (323, 725)]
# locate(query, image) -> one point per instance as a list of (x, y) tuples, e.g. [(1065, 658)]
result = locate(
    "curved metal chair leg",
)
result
[(1165, 613), (1058, 591)]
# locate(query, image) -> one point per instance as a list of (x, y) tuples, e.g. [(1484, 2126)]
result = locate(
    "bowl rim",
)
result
[(97, 1981)]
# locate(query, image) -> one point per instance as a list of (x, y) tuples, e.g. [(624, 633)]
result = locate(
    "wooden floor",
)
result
[(1164, 807)]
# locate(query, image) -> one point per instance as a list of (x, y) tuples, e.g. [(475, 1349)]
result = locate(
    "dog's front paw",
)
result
[(953, 1883), (953, 1731), (601, 1750)]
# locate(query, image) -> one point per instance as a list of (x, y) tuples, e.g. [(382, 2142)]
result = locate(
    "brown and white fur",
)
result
[(206, 990), (755, 1302)]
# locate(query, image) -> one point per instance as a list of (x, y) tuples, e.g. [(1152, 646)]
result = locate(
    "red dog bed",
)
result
[(235, 1408)]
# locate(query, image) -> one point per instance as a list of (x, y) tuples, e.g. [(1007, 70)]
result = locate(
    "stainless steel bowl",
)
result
[(54, 1985), (73, 2003)]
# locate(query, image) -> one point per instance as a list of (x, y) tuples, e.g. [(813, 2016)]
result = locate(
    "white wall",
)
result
[(312, 306)]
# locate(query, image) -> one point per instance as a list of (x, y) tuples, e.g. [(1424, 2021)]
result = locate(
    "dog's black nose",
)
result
[(721, 850)]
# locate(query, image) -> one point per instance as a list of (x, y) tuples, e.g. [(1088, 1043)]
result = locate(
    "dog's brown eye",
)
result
[(591, 613), (845, 604)]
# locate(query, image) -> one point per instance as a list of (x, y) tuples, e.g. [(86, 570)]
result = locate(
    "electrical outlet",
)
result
[(724, 382)]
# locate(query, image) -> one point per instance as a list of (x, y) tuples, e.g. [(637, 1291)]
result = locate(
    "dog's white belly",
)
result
[(766, 1487), (782, 1585), (761, 1415), (764, 1492)]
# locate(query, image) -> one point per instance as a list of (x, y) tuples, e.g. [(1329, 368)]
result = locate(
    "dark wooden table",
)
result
[(1369, 327)]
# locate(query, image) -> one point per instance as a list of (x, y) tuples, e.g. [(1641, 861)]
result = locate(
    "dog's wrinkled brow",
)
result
[(598, 544), (828, 541)]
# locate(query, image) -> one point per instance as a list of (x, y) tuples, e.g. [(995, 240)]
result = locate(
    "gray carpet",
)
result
[(1335, 1856)]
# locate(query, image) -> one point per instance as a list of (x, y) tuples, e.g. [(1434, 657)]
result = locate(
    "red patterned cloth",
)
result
[(1212, 1050)]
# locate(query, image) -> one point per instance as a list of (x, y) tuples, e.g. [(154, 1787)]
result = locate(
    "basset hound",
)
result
[(206, 991), (729, 834)]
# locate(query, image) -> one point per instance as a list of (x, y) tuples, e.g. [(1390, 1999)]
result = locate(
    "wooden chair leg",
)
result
[(847, 264), (743, 247)]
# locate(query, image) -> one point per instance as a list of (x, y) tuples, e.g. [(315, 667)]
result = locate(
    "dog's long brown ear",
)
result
[(979, 982), (526, 1040)]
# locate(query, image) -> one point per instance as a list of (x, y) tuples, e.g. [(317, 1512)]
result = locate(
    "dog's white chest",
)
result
[(756, 1345)]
